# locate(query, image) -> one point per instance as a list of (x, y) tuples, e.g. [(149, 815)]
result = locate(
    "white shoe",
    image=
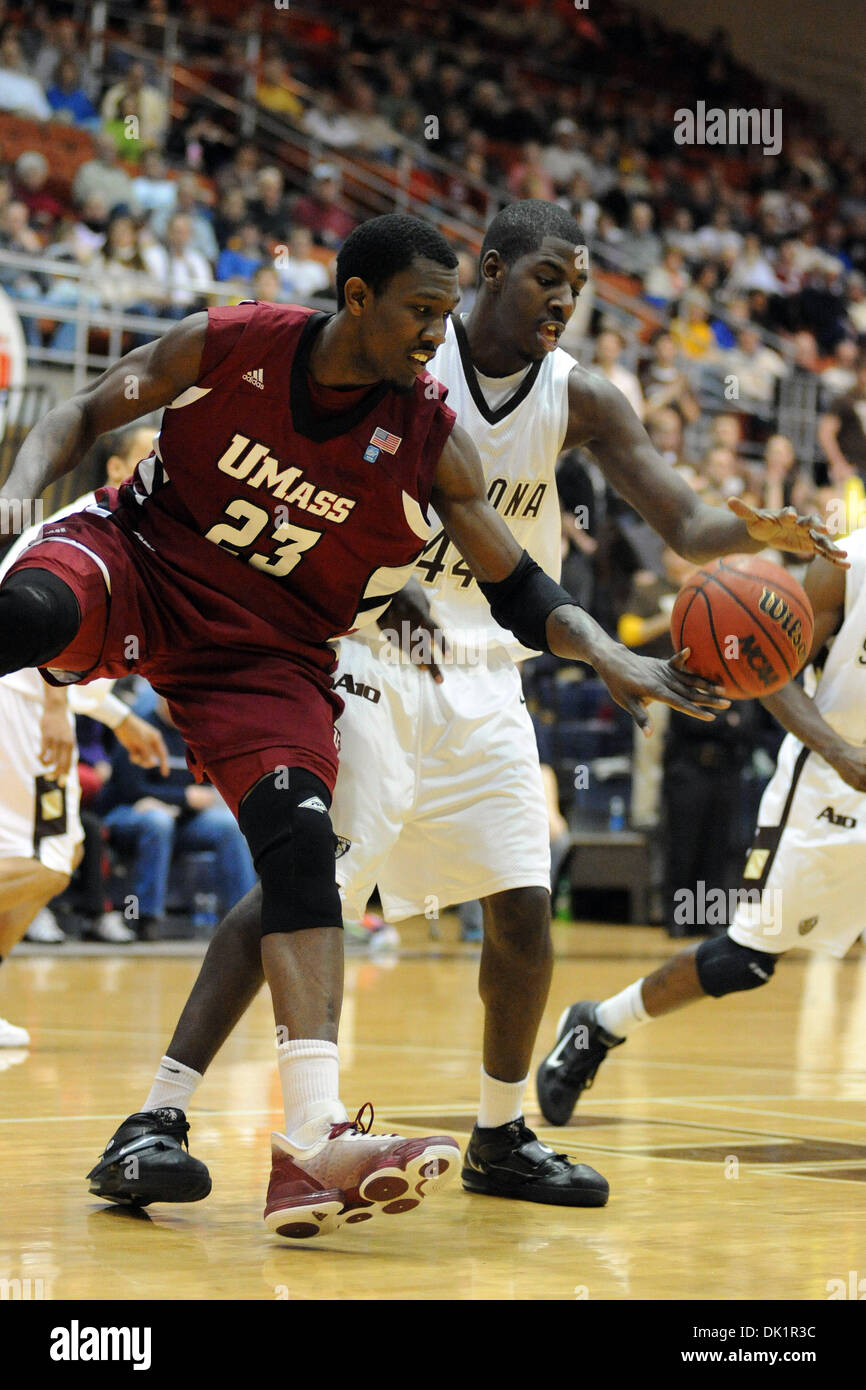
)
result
[(44, 929), (345, 1175), (10, 1036), (111, 927)]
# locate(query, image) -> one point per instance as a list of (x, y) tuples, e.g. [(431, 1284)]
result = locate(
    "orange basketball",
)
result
[(748, 624)]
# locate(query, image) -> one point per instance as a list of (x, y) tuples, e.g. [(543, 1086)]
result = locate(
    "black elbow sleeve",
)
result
[(524, 601)]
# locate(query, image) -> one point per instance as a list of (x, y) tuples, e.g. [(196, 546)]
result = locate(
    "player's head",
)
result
[(116, 454), (533, 266), (397, 280)]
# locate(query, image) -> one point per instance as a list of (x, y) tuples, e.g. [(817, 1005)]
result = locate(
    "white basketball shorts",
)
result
[(806, 871), (439, 798), (38, 819)]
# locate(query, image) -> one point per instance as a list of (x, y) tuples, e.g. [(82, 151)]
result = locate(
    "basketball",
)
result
[(748, 624)]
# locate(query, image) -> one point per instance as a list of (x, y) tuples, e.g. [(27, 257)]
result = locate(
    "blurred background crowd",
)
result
[(182, 155)]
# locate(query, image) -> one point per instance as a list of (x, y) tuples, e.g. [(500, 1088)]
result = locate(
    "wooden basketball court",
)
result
[(733, 1136)]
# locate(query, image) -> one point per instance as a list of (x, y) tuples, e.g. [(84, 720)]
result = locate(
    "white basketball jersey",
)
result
[(840, 692), (518, 425)]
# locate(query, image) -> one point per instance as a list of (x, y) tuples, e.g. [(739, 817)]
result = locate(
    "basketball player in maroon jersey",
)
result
[(203, 574)]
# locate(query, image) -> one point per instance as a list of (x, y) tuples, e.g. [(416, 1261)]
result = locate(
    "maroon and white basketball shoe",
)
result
[(348, 1177)]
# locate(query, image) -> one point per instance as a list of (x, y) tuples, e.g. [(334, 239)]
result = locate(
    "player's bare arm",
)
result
[(146, 379), (795, 710), (601, 419), (493, 555)]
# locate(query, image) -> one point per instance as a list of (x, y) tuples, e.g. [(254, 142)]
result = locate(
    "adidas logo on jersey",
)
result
[(313, 803), (256, 378), (828, 814)]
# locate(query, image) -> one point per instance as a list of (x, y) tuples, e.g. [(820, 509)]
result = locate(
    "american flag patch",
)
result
[(389, 442)]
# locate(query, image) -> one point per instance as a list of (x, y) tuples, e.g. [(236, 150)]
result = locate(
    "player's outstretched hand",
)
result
[(144, 744), (58, 735), (408, 623), (634, 681), (785, 530)]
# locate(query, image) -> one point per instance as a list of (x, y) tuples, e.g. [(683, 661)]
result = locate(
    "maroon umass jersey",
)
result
[(312, 522), (261, 527)]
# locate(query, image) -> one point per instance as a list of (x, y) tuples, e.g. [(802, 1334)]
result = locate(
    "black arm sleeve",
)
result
[(524, 600)]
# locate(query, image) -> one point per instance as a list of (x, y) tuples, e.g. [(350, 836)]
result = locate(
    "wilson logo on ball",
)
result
[(776, 608), (755, 602)]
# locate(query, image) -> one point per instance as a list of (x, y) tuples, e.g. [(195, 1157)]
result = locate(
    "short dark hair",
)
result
[(380, 248), (522, 226)]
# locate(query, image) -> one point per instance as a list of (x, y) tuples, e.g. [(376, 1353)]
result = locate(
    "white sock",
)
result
[(501, 1101), (310, 1079), (623, 1012), (173, 1085)]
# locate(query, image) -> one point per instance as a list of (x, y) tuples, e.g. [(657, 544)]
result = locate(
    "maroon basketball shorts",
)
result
[(244, 710)]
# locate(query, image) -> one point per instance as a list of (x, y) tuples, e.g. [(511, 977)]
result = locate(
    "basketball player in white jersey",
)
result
[(41, 835), (805, 874), (439, 796)]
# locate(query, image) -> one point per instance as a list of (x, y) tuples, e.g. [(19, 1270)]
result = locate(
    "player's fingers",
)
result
[(741, 509), (715, 693), (829, 550)]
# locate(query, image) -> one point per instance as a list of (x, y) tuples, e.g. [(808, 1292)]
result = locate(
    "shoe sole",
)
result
[(163, 1187), (550, 1197), (387, 1191)]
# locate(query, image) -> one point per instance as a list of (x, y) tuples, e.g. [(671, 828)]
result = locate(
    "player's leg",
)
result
[(25, 887), (481, 829)]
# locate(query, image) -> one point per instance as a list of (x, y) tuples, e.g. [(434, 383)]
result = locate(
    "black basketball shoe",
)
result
[(145, 1162), (581, 1047), (511, 1162)]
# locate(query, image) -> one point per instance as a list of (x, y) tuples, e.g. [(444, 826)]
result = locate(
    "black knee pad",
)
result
[(39, 616), (724, 967), (286, 824)]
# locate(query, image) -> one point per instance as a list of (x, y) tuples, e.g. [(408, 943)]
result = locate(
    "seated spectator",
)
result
[(188, 203), (669, 281), (241, 171), (373, 135), (242, 258), (582, 205), (301, 275), (158, 817), (757, 368), (152, 189), (274, 88), (779, 464), (640, 248), (326, 122), (318, 209), (751, 270), (842, 430), (86, 234), (681, 234), (841, 376), (856, 307), (726, 431), (565, 158), (229, 216), (103, 174), (718, 237), (125, 129), (65, 47), (690, 330), (608, 347), (68, 99), (16, 234), (181, 273), (528, 178), (723, 470), (200, 143), (120, 273), (665, 384), (134, 96), (19, 92), (265, 286), (270, 208), (31, 188)]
